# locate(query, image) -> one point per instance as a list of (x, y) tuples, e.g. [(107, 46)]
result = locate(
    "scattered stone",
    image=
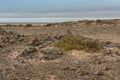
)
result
[(100, 73), (112, 52), (66, 68), (51, 54), (11, 37), (117, 53), (2, 32), (108, 52), (53, 38), (21, 39), (107, 68), (108, 42), (50, 38), (2, 45), (84, 73), (29, 52), (36, 42), (118, 45), (99, 62), (111, 45), (13, 33), (58, 37), (69, 31)]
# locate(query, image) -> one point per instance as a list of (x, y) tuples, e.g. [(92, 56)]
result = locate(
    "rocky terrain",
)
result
[(27, 51)]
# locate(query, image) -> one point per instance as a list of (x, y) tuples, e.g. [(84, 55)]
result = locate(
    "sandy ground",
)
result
[(28, 53)]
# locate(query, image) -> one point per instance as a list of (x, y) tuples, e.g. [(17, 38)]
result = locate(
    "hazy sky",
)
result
[(57, 5), (59, 8)]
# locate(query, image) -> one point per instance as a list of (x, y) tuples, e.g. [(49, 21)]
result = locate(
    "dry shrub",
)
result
[(104, 22), (88, 22), (8, 25), (78, 42), (48, 25), (21, 25), (99, 21), (93, 45), (28, 25)]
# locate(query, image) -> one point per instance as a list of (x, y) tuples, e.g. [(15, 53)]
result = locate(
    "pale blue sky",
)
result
[(57, 5), (59, 8)]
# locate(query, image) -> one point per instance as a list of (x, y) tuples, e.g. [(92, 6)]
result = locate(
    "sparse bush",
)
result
[(77, 42), (47, 25), (99, 21), (93, 45), (71, 42), (21, 25), (8, 25), (28, 25), (104, 22), (88, 22)]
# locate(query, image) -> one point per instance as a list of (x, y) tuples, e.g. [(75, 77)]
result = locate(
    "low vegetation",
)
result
[(28, 25), (48, 25), (104, 22), (8, 25), (78, 42)]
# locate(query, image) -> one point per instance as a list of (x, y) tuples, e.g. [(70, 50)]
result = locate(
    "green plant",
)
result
[(78, 42)]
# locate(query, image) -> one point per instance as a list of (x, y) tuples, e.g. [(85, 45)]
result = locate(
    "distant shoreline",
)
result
[(43, 23), (51, 20), (22, 23)]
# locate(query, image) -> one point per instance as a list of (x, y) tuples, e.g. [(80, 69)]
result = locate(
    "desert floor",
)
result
[(28, 52)]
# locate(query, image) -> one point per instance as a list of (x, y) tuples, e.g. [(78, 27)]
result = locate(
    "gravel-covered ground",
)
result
[(28, 52)]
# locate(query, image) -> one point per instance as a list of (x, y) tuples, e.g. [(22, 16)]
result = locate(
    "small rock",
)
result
[(84, 73), (100, 73), (13, 33), (118, 45), (69, 31), (58, 37), (2, 45), (108, 42), (117, 53), (50, 38), (21, 39), (36, 42), (66, 68), (108, 52), (99, 62), (29, 52), (107, 68), (51, 54), (53, 38)]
